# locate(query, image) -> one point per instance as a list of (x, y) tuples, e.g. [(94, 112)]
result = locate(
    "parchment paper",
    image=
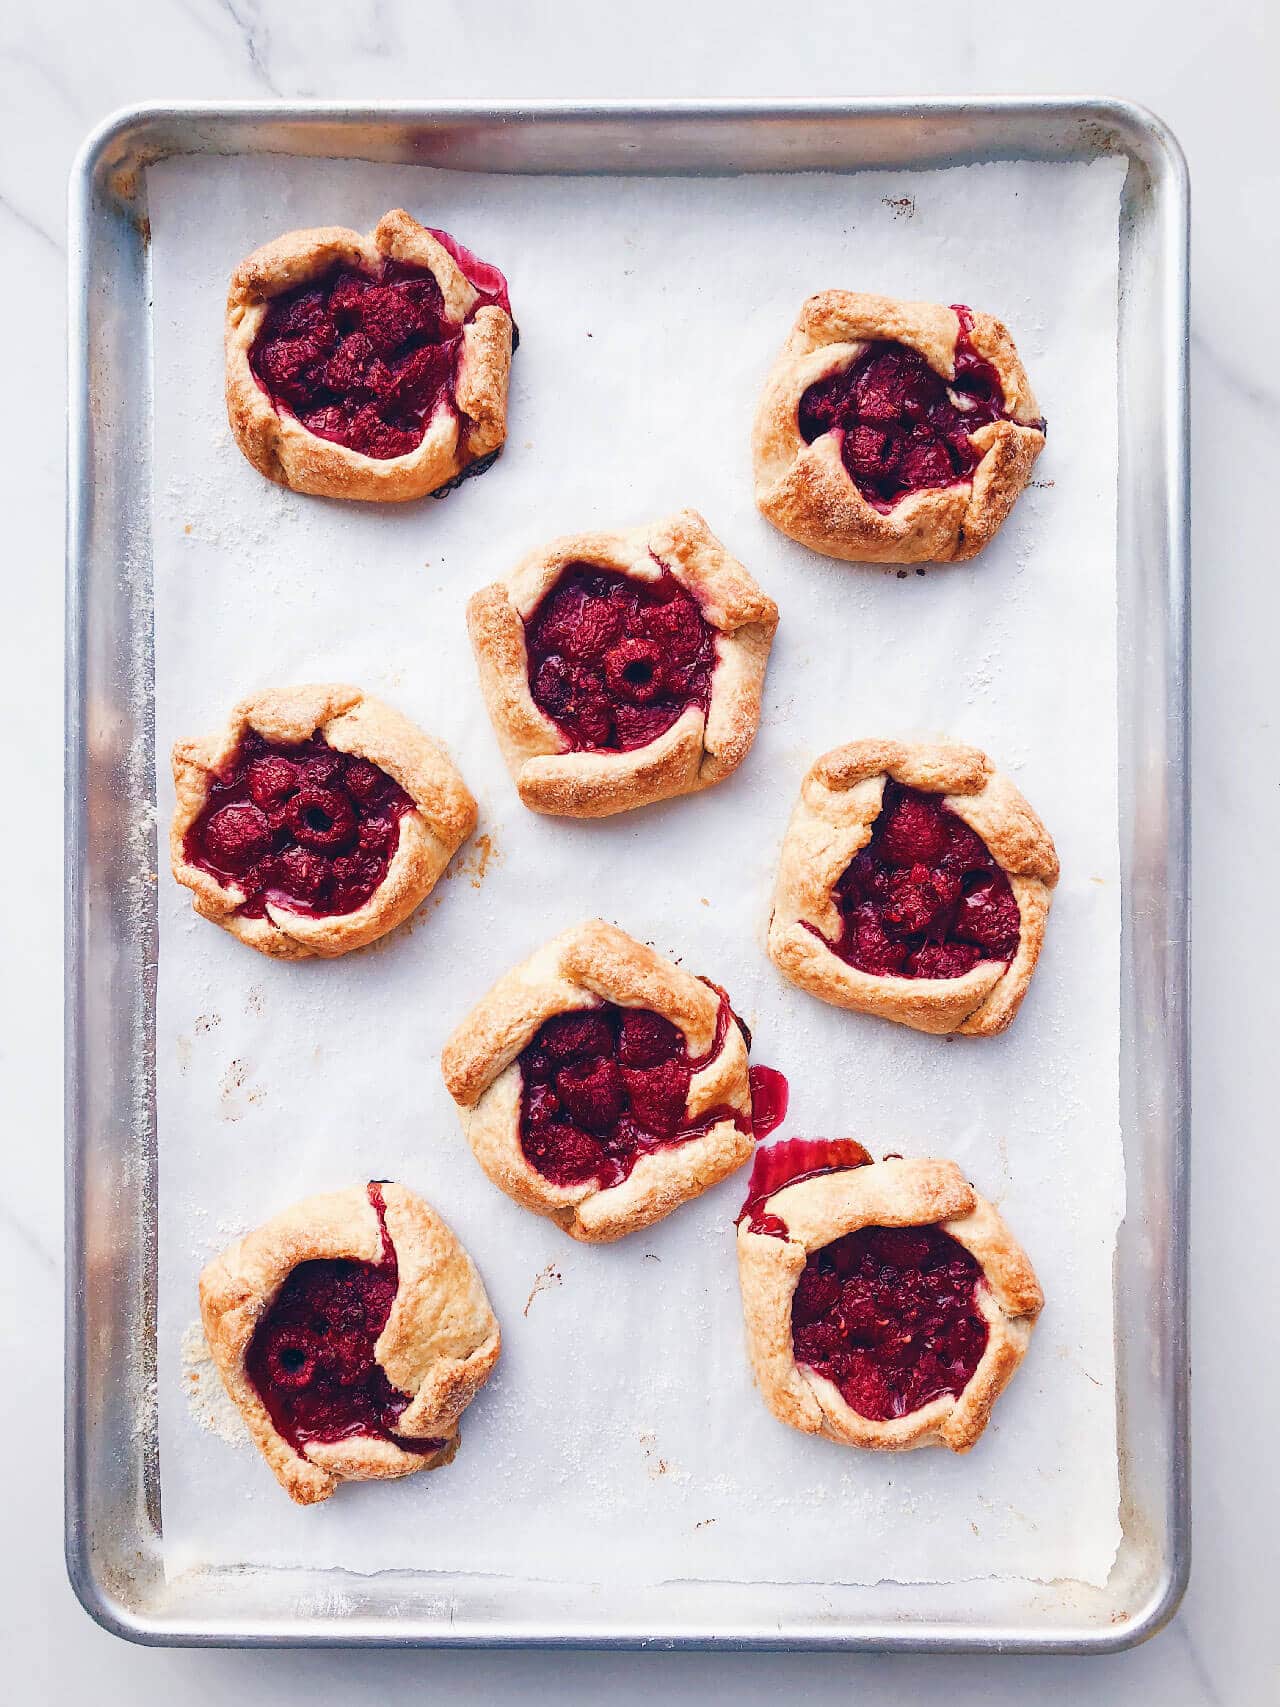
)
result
[(621, 1437)]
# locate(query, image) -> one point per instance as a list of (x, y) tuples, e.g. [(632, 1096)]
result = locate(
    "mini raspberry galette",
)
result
[(351, 1332), (894, 432), (914, 883), (316, 820), (623, 668), (601, 1086), (887, 1304), (368, 367)]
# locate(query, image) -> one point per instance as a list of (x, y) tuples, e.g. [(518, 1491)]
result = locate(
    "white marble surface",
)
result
[(1210, 72)]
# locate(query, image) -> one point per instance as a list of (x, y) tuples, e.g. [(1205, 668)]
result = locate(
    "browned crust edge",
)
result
[(353, 722), (280, 447), (697, 751), (833, 818), (440, 1343), (895, 1193), (591, 963), (805, 490)]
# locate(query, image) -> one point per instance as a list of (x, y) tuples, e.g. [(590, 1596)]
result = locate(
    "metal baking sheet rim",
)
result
[(113, 1525)]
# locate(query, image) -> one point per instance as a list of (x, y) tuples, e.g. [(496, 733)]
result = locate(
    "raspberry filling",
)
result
[(924, 898), (311, 1356), (614, 660), (604, 1086), (770, 1099), (366, 359), (889, 1314), (786, 1163), (306, 828), (901, 426)]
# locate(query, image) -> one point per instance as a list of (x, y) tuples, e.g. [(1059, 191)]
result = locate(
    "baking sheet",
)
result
[(620, 1439)]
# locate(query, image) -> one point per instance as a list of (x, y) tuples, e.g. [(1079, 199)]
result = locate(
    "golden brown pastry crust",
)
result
[(805, 489), (697, 751), (892, 1193), (592, 963), (352, 722), (276, 442), (834, 818), (440, 1342)]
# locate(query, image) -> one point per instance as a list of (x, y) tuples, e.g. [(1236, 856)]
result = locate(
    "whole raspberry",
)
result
[(943, 960), (344, 299), (677, 626), (346, 368), (865, 878), (816, 1292), (574, 693), (577, 625), (322, 765), (355, 877), (591, 1092), (657, 1096), (363, 781), (376, 836), (926, 463), (301, 873), (633, 670), (289, 317), (816, 1342), (579, 1033), (625, 1141), (911, 832), (872, 452), (823, 405), (372, 436), (328, 422), (350, 1359), (388, 318), (637, 725), (553, 622), (988, 916), (905, 1247), (567, 1155), (424, 293), (236, 836), (965, 849), (869, 945), (920, 899), (287, 367), (866, 1390), (858, 1312), (291, 1360), (272, 779), (645, 1038), (884, 385), (320, 818), (421, 383)]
